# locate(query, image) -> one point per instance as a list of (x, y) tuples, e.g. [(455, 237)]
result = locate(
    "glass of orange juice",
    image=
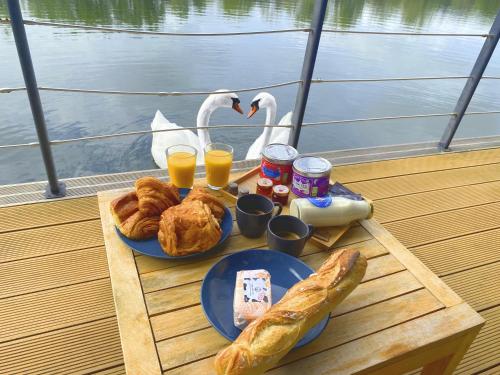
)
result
[(218, 161), (181, 161)]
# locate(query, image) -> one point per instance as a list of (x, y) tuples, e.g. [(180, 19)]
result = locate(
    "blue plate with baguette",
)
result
[(218, 288)]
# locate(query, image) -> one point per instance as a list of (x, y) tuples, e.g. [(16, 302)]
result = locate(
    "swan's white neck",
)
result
[(202, 120), (270, 120)]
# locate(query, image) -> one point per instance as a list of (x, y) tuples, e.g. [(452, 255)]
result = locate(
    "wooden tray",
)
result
[(325, 237)]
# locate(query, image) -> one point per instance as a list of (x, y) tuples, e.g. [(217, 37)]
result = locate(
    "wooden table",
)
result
[(401, 317)]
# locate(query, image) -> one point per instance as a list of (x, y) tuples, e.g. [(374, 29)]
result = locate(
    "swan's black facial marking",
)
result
[(255, 104), (235, 101)]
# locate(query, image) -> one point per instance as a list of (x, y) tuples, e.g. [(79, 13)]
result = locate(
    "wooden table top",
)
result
[(399, 318)]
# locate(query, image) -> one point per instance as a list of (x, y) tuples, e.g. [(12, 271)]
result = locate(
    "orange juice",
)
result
[(181, 166), (218, 166)]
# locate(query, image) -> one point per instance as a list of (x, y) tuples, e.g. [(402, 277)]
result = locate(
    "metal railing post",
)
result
[(318, 17), (55, 188), (471, 84)]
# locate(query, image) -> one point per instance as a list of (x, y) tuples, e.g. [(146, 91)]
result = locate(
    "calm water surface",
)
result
[(81, 59)]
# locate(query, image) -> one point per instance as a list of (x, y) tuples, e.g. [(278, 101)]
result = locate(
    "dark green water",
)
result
[(80, 59)]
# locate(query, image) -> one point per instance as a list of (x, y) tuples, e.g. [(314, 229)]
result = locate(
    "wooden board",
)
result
[(325, 237), (397, 293), (138, 347)]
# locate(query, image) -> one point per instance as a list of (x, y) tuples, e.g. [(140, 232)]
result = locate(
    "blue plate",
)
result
[(152, 247), (217, 289)]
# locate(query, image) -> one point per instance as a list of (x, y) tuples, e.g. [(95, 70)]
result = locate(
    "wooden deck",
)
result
[(56, 302)]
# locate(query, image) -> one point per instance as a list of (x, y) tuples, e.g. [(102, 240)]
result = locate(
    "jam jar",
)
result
[(264, 187), (276, 163), (280, 194), (311, 176)]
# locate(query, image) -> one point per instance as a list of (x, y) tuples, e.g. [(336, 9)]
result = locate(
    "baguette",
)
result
[(269, 338)]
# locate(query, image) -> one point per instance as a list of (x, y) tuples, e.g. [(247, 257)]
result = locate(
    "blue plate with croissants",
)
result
[(196, 224)]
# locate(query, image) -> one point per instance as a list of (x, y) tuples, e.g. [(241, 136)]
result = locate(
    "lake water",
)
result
[(82, 59)]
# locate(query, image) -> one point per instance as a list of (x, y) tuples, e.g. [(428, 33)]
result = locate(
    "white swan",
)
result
[(163, 140), (269, 135)]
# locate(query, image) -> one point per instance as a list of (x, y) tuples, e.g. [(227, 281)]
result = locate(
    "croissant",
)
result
[(130, 221), (155, 196), (188, 228), (216, 205), (269, 338)]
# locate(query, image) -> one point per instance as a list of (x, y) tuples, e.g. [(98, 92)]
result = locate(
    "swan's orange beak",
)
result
[(237, 108), (252, 111)]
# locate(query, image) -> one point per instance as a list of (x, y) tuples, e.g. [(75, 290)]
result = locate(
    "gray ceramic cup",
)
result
[(253, 212), (288, 234)]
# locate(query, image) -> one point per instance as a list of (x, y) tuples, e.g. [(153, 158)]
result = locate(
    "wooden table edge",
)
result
[(459, 343), (441, 356), (423, 274), (136, 336)]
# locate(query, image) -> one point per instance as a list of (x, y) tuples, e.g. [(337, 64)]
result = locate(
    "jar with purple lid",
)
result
[(311, 176)]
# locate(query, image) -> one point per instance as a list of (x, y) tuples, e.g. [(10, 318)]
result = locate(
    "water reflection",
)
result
[(341, 13), (81, 59)]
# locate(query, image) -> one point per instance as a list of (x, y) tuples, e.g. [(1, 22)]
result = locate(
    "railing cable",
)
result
[(142, 132), (7, 90), (377, 119), (404, 33), (238, 33), (162, 33)]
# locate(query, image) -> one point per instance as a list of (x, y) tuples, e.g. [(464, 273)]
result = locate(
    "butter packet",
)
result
[(252, 296)]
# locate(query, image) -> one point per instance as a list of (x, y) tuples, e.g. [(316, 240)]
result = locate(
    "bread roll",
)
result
[(155, 196), (188, 228), (130, 221), (268, 339), (216, 205)]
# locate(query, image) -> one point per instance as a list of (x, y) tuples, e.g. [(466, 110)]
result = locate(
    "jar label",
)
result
[(272, 173), (277, 173), (309, 186)]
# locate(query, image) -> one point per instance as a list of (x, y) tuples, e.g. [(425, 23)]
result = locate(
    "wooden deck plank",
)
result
[(55, 239), (484, 352), (420, 204), (445, 225), (461, 253), (45, 311), (418, 183), (415, 266), (477, 286), (96, 343), (48, 213), (118, 370), (52, 271), (413, 165)]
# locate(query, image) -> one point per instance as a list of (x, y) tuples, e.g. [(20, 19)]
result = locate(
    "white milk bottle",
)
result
[(330, 211)]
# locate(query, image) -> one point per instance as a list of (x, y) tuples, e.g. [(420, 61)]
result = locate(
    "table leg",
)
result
[(447, 365)]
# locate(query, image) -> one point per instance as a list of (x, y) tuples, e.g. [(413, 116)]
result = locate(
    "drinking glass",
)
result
[(218, 161), (181, 161)]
